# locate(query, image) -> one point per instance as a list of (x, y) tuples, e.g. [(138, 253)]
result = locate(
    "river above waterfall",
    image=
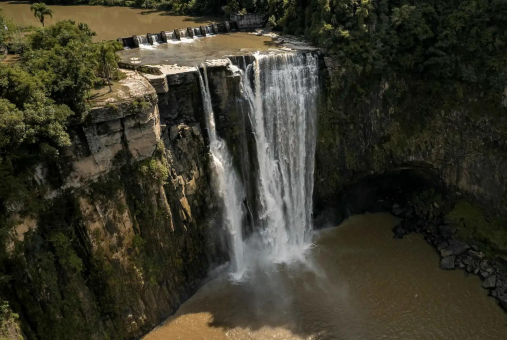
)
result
[(114, 22), (191, 52), (109, 23), (358, 283)]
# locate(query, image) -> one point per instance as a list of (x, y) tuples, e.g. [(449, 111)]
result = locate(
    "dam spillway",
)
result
[(179, 34)]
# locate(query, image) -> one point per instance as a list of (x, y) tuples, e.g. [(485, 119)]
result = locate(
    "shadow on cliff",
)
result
[(298, 301), (377, 192)]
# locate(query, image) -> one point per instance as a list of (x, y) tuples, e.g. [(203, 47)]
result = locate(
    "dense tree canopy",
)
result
[(40, 94), (449, 51)]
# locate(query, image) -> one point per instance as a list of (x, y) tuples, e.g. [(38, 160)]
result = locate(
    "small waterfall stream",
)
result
[(209, 30), (156, 39), (227, 183)]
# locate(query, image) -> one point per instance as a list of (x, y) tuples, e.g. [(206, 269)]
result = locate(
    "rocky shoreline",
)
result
[(455, 254)]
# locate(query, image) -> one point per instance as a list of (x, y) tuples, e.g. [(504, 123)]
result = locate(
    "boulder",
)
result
[(447, 230), (475, 255), (397, 210), (489, 282), (409, 212), (399, 231), (446, 252), (447, 262), (457, 247), (486, 269), (442, 246)]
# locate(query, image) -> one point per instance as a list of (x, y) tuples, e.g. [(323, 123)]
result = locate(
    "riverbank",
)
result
[(444, 231)]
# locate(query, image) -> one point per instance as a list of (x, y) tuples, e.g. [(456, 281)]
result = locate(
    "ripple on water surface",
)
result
[(359, 283)]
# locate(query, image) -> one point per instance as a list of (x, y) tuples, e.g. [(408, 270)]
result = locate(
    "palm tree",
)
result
[(39, 10)]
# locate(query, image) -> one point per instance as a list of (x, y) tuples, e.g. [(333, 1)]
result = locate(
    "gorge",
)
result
[(262, 196)]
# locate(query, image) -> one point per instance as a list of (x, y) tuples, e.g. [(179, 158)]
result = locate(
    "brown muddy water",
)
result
[(358, 284), (114, 22), (192, 52), (108, 22)]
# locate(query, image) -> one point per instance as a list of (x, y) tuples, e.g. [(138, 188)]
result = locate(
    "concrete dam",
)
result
[(237, 22)]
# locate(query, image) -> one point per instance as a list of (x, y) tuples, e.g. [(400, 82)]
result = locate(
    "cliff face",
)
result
[(133, 229), (466, 150), (463, 146), (128, 237)]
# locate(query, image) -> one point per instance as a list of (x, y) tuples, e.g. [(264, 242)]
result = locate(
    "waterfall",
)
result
[(227, 183), (279, 103), (281, 90), (183, 34), (197, 32), (209, 30), (142, 41), (170, 35), (156, 39)]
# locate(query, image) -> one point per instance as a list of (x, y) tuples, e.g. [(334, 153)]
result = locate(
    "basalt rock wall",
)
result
[(466, 150), (130, 234)]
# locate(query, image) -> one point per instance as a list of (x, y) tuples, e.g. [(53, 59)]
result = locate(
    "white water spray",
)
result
[(283, 105)]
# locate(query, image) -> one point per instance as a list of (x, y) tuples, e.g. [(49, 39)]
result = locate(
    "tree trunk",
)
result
[(109, 79)]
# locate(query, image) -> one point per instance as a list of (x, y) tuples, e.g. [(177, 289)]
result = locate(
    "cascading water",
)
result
[(171, 36), (155, 38), (281, 90), (227, 183), (209, 30), (197, 32), (184, 34), (142, 41)]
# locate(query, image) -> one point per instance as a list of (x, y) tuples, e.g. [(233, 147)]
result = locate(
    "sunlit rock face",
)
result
[(127, 118)]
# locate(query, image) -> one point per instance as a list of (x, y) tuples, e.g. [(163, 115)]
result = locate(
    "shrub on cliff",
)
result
[(38, 95)]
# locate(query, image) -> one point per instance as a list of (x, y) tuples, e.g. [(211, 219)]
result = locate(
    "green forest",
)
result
[(436, 56), (426, 49), (42, 94)]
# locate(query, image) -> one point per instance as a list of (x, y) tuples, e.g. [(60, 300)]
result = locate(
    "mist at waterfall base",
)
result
[(280, 91), (362, 284)]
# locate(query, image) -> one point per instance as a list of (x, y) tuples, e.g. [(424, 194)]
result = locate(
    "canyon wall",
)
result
[(462, 148), (133, 229), (129, 235), (467, 150)]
